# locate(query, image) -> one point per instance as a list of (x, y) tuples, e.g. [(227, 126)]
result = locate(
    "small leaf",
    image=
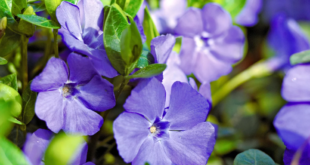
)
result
[(15, 121), (301, 57), (37, 7), (149, 28), (10, 80), (29, 100), (3, 61), (9, 42), (39, 21), (18, 6), (62, 148), (149, 71), (145, 59), (51, 6), (72, 1), (24, 26), (132, 7), (253, 156), (10, 153), (5, 11), (10, 100), (115, 23)]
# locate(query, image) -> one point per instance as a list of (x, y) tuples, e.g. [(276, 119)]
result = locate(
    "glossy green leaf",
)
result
[(145, 59), (301, 57), (149, 71), (39, 21), (29, 100), (51, 6), (18, 6), (121, 3), (37, 7), (106, 2), (10, 100), (5, 11), (149, 28), (72, 1), (62, 148), (9, 42), (10, 80), (5, 124), (132, 7), (253, 156), (10, 153), (3, 61), (15, 121), (24, 26), (115, 23)]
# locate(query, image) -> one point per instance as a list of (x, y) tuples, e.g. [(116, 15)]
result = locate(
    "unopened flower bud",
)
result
[(3, 23)]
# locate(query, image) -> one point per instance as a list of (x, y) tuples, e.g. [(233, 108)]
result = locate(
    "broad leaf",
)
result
[(132, 7), (149, 71), (253, 156), (301, 57), (39, 21), (115, 23), (24, 26), (121, 3), (5, 11), (51, 6), (37, 7), (62, 148), (3, 61), (29, 100), (10, 100), (72, 1), (149, 28), (10, 80), (18, 6), (9, 42), (10, 153)]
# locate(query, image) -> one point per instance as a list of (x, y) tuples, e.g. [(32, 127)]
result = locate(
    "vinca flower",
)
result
[(36, 144), (211, 44), (81, 30), (67, 100), (292, 122), (159, 135), (249, 14)]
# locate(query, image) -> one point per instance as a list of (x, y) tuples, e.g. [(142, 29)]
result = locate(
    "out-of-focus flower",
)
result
[(292, 122), (159, 135), (211, 44), (81, 30), (249, 14), (68, 100), (285, 38), (36, 144)]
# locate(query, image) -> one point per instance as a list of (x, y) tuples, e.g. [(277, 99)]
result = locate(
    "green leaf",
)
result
[(18, 6), (177, 45), (15, 121), (72, 1), (51, 6), (149, 71), (24, 26), (10, 153), (62, 148), (5, 11), (37, 7), (39, 21), (253, 156), (132, 7), (223, 146), (29, 100), (301, 57), (3, 61), (121, 3), (10, 100), (106, 2), (115, 23), (149, 28), (10, 80), (233, 7), (9, 42), (145, 59)]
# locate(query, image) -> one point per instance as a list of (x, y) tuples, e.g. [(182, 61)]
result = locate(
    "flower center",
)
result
[(68, 90), (153, 129)]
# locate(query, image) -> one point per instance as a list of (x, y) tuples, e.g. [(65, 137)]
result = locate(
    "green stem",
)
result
[(24, 62), (259, 69), (55, 31)]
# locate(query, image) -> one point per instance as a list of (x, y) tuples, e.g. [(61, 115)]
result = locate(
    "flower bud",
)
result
[(3, 23)]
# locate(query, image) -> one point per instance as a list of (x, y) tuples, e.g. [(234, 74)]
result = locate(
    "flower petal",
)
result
[(81, 70), (49, 107), (152, 151), (188, 55), (205, 91), (295, 84), (147, 98), (190, 24), (193, 146), (36, 145), (215, 19), (54, 75), (289, 156), (74, 44), (68, 16), (249, 14), (187, 107), (161, 48), (80, 155), (92, 15), (130, 131), (79, 119), (97, 95)]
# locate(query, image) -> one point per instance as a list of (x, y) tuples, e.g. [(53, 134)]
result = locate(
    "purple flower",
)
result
[(285, 38), (292, 122), (211, 44), (36, 144), (149, 132), (67, 100), (81, 30), (249, 14)]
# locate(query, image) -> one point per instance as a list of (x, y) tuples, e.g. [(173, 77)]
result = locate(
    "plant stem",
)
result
[(55, 31), (259, 69), (24, 62)]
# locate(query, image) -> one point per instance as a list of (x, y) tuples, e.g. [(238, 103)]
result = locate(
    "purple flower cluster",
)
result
[(292, 122)]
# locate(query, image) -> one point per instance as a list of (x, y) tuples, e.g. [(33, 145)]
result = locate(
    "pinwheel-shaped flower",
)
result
[(292, 122), (36, 144), (81, 30), (67, 100), (159, 135), (211, 44)]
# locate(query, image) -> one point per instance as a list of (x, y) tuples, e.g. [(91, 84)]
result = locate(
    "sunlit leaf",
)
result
[(51, 6), (149, 71), (10, 80), (10, 100), (39, 21), (3, 61), (11, 154), (132, 7)]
